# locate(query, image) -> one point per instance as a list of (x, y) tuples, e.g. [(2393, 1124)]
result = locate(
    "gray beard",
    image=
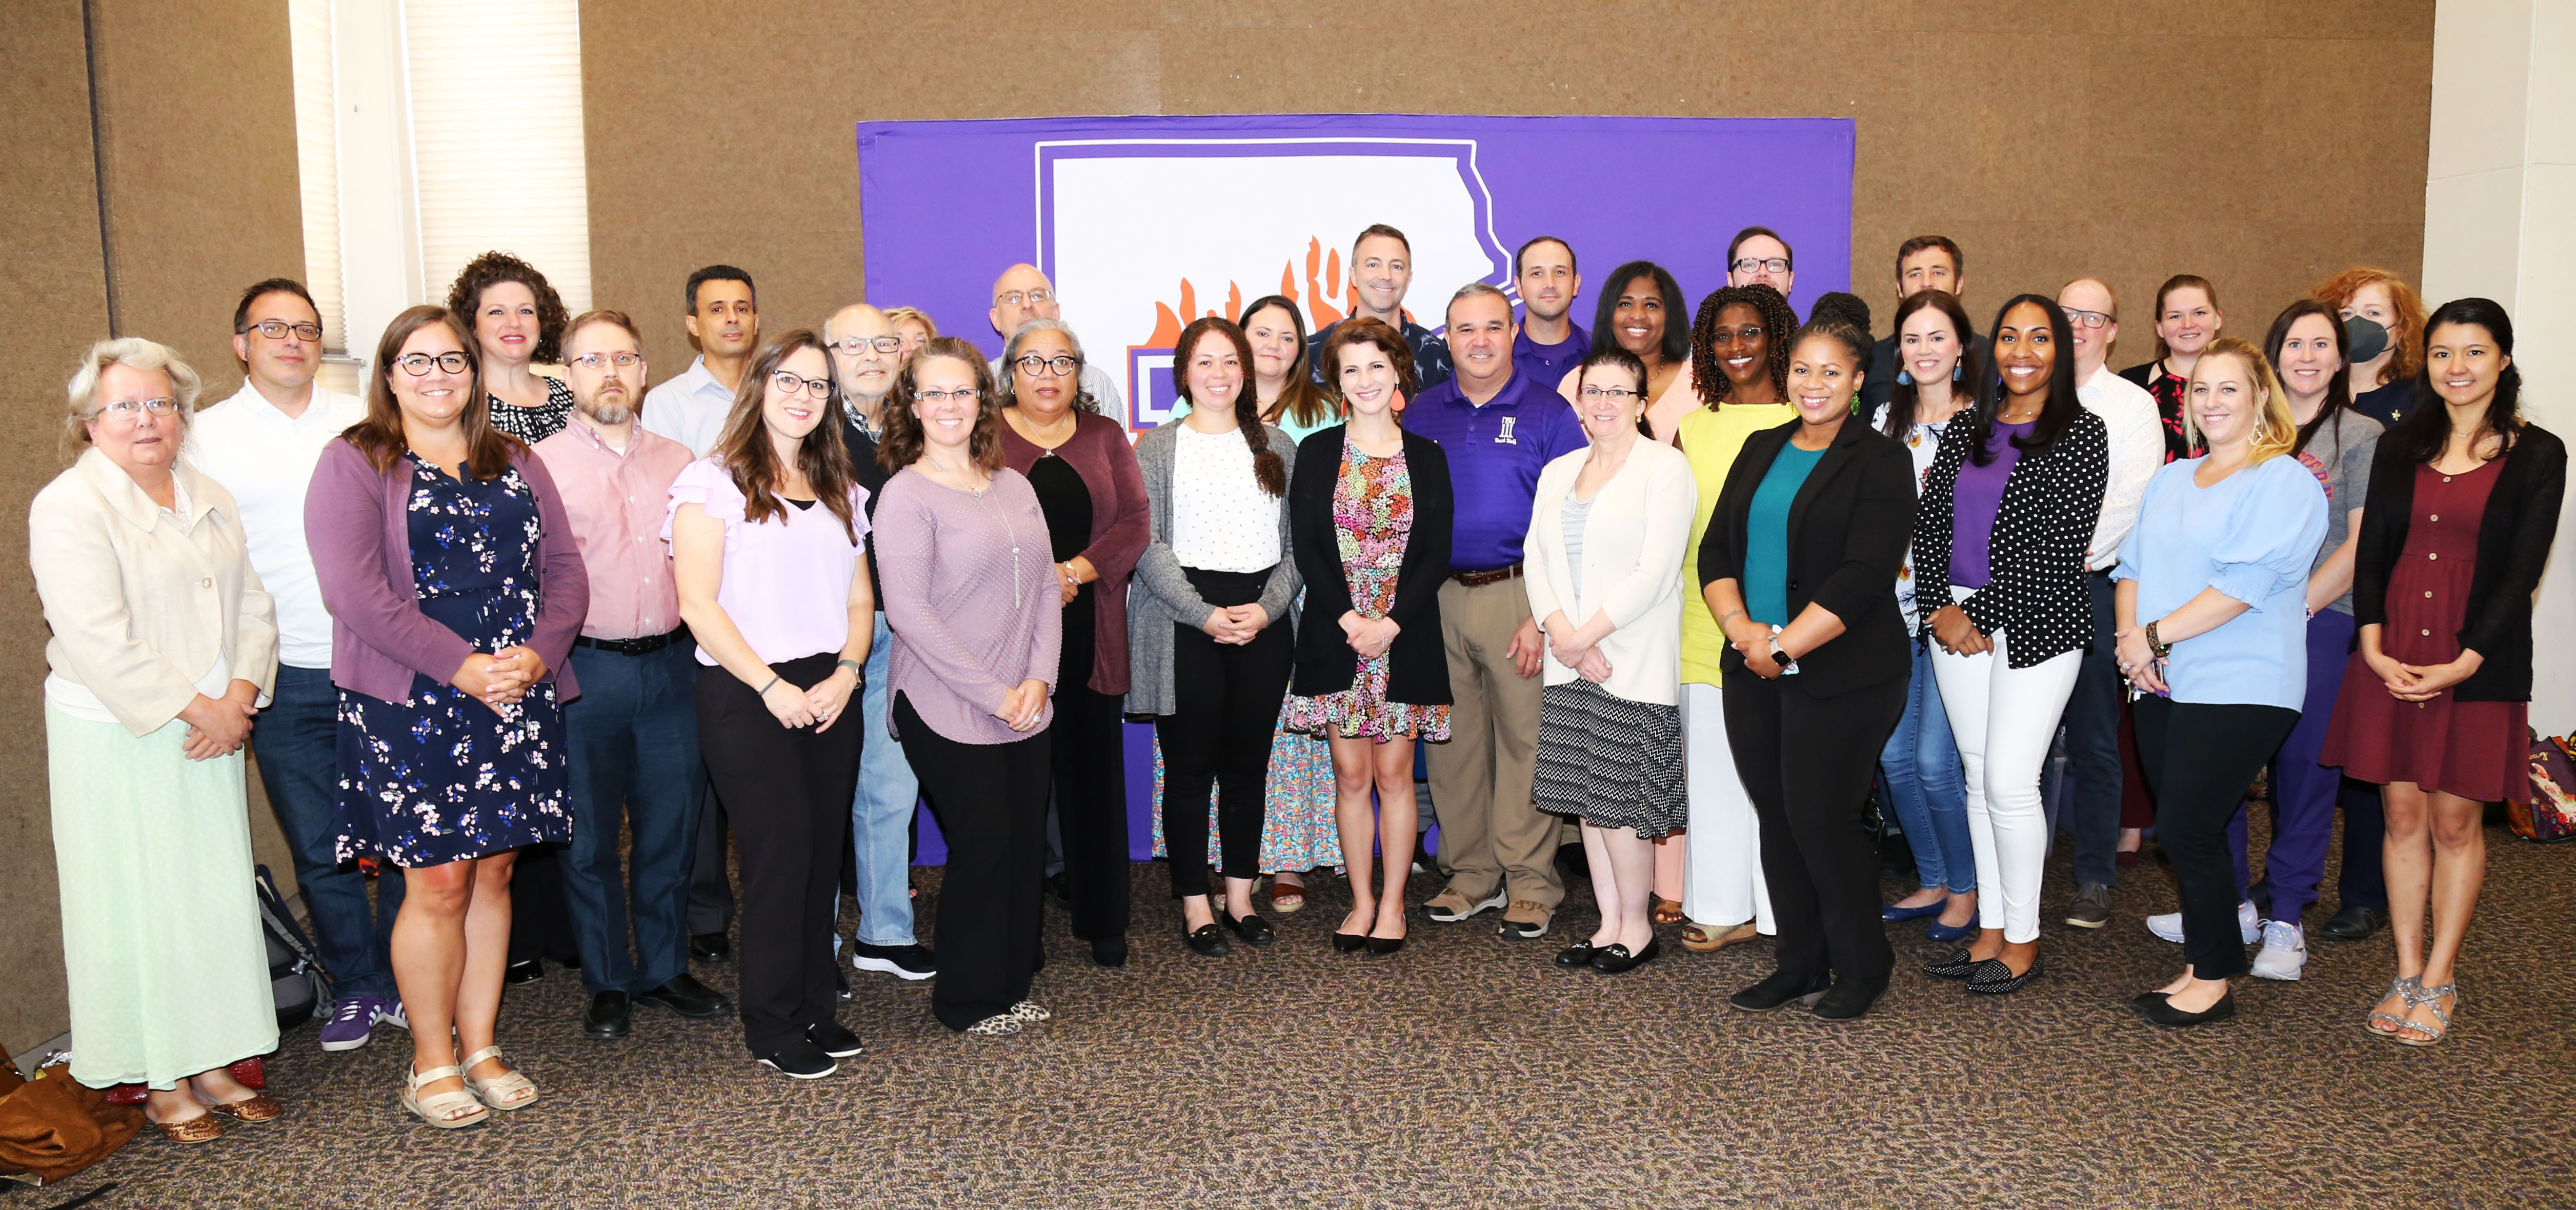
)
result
[(606, 414)]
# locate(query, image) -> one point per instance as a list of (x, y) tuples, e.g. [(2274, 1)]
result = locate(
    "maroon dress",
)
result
[(2476, 750)]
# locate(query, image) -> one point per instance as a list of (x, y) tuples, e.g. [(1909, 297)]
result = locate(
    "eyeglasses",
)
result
[(790, 382), (964, 395), (1033, 298), (1773, 264), (2086, 319), (1059, 365), (596, 362), (855, 345), (127, 411), (1617, 395), (417, 365), (1748, 334), (276, 329)]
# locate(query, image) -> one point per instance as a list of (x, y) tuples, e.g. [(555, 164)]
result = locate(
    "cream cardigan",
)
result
[(1634, 540), (141, 603)]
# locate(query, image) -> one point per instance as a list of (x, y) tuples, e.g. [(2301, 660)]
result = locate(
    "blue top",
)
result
[(1766, 534), (2251, 537), (1495, 454), (1550, 362)]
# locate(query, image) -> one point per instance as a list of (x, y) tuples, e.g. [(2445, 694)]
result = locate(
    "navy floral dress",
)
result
[(440, 777)]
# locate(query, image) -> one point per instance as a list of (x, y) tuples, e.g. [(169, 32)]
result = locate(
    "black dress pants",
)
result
[(992, 810), (2198, 758), (1807, 763), (788, 790), (540, 916), (1225, 707), (1088, 746)]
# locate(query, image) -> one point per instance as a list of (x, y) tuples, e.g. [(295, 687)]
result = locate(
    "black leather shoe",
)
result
[(2162, 1012), (611, 1016), (1208, 941), (1253, 929), (1349, 943), (1109, 951), (2356, 922), (1059, 889), (1850, 999), (1382, 946), (834, 1040), (710, 947), (1993, 978), (1780, 990), (523, 972), (1616, 960), (1575, 957), (688, 997), (1956, 966), (2145, 1001)]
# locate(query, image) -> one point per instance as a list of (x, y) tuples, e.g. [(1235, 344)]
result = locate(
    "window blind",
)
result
[(317, 155)]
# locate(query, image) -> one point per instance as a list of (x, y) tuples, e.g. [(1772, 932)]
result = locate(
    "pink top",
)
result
[(617, 503), (970, 593), (786, 583)]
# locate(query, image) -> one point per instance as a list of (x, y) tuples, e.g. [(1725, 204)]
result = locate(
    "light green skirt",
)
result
[(161, 930)]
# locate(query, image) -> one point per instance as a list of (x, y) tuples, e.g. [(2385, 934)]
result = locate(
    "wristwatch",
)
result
[(1788, 663)]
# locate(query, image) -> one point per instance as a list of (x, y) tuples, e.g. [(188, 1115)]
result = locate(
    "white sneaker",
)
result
[(2285, 950), (2168, 925)]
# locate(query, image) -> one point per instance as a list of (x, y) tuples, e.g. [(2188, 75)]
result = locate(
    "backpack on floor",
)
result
[(2551, 813), (295, 971)]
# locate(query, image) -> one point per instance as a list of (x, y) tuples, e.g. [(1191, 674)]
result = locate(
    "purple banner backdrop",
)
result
[(1145, 223)]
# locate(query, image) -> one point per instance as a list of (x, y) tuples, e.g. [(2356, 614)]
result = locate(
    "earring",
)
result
[(1904, 378), (1958, 372)]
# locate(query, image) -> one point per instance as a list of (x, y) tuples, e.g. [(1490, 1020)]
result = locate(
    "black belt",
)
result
[(644, 646), (1479, 579)]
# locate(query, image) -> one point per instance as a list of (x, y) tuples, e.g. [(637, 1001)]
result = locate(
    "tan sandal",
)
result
[(510, 1090), (1286, 897), (1701, 939), (454, 1109)]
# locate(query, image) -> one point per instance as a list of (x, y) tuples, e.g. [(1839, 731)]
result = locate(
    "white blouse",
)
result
[(1221, 519)]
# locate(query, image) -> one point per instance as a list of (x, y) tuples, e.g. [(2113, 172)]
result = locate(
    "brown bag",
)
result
[(53, 1126)]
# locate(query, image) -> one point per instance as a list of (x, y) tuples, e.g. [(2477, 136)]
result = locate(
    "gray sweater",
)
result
[(1161, 595)]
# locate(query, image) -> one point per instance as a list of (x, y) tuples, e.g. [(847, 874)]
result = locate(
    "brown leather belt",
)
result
[(1479, 579)]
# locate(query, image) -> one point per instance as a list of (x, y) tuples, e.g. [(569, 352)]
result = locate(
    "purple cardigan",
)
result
[(1121, 522), (357, 524)]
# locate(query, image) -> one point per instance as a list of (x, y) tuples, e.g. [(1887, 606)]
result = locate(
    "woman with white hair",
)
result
[(164, 646)]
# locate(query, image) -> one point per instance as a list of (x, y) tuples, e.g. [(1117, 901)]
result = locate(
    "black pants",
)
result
[(1089, 747), (992, 809), (2364, 879), (710, 887), (788, 790), (1225, 706), (1807, 764), (540, 917), (2198, 758)]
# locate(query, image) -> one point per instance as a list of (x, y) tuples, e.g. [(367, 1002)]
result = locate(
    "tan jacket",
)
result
[(140, 604)]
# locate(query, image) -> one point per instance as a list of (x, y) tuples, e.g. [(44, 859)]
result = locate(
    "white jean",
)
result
[(1723, 886), (2004, 719)]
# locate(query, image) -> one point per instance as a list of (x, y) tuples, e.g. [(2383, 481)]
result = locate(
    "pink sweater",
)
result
[(960, 639)]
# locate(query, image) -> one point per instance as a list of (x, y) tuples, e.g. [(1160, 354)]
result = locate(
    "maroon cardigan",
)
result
[(1120, 525), (357, 524)]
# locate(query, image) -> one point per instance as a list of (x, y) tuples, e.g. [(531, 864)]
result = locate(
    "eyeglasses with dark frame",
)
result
[(1059, 365), (1621, 396), (789, 382), (1034, 298), (2085, 319), (417, 364), (855, 345), (276, 329), (962, 395), (1773, 264)]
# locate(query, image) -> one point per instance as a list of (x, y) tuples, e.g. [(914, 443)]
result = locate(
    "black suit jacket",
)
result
[(863, 460), (2514, 533), (1847, 532), (1417, 669)]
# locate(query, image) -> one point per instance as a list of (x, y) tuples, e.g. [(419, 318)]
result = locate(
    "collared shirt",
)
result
[(265, 458), (1430, 354), (690, 409), (1496, 452), (2137, 449), (1095, 382), (617, 502), (1547, 363)]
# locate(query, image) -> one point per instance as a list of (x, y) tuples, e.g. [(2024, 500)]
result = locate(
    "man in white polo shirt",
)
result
[(262, 444)]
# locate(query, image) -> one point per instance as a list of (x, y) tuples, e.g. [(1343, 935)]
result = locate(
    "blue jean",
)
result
[(633, 741), (881, 813), (297, 742), (2093, 745), (1928, 786)]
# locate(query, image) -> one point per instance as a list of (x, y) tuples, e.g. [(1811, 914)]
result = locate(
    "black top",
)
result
[(1066, 501), (1430, 357), (2167, 390), (535, 424), (2388, 403), (2036, 549), (2514, 534), (1417, 669), (1847, 532), (1881, 382), (863, 459)]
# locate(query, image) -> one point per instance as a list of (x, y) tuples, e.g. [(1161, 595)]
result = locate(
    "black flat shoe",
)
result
[(1253, 929), (1850, 999), (1615, 959), (1780, 990), (523, 972), (2162, 1012), (610, 1017), (1993, 978), (1956, 966), (833, 1040), (1349, 943), (1383, 946), (710, 947), (2144, 1001), (1575, 957), (1109, 951), (1207, 941), (688, 997), (2356, 922)]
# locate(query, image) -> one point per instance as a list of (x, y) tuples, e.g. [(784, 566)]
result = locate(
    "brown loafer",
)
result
[(259, 1108), (202, 1128)]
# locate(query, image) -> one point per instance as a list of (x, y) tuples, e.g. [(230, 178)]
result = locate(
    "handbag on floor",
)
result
[(53, 1126), (2551, 813), (295, 974)]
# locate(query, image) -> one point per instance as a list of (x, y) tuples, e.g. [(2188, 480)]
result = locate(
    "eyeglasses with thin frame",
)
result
[(276, 329), (855, 345), (962, 395), (1620, 396), (1059, 365), (1774, 264), (1034, 298), (789, 382), (595, 362), (2086, 319), (1747, 334), (417, 364), (127, 411)]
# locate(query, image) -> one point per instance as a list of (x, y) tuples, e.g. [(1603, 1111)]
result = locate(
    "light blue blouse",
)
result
[(2251, 537)]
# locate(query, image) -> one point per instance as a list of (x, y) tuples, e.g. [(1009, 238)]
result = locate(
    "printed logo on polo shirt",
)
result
[(1505, 437)]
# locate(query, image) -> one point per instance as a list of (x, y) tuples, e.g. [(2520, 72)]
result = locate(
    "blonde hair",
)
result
[(137, 353), (895, 317), (2276, 431)]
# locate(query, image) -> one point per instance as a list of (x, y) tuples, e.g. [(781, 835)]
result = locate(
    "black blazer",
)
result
[(2514, 534), (1847, 533), (1417, 669), (2036, 549)]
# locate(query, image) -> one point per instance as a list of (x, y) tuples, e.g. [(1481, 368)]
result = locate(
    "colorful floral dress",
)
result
[(1373, 514)]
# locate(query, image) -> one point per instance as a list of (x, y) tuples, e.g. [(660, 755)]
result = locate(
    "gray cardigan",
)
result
[(1161, 595)]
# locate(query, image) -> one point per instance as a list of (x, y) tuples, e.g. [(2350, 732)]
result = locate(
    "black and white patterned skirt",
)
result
[(1614, 762)]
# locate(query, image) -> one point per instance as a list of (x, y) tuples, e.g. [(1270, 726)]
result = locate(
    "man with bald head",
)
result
[(1023, 293), (2093, 713)]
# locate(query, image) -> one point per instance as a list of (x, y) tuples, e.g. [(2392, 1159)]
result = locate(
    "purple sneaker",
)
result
[(353, 1023)]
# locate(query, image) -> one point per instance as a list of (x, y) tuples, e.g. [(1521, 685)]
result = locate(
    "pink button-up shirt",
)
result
[(617, 502)]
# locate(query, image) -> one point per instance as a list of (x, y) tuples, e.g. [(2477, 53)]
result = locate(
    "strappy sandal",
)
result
[(2405, 991), (1286, 897), (2430, 997), (509, 1090), (1702, 939), (450, 1110), (1667, 911)]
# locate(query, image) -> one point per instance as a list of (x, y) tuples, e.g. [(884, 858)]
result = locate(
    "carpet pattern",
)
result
[(1467, 1071)]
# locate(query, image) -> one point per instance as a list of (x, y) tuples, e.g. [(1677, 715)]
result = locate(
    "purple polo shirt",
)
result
[(1548, 363), (1495, 454)]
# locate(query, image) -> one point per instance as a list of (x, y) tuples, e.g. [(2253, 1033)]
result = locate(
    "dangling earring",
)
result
[(1958, 372), (1904, 378)]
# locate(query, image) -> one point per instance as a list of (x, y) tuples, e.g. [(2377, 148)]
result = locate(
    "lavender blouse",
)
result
[(970, 593), (786, 583)]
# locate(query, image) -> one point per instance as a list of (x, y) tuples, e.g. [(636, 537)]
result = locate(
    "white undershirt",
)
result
[(1221, 519)]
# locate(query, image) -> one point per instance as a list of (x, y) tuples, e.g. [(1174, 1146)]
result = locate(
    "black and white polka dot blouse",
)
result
[(2037, 546)]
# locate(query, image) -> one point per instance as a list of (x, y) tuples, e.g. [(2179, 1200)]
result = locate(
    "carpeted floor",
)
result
[(1468, 1072)]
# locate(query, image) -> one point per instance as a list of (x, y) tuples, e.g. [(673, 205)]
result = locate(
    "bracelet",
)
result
[(856, 668), (773, 683), (2160, 649)]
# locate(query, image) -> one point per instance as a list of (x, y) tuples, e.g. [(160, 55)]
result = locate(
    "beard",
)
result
[(606, 413)]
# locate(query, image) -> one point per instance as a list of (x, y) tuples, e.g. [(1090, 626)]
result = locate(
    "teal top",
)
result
[(1296, 432), (1766, 535)]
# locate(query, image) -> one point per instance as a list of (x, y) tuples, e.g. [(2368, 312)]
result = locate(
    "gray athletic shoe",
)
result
[(2285, 951)]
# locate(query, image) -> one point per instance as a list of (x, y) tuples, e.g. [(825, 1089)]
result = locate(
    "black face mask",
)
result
[(2363, 339)]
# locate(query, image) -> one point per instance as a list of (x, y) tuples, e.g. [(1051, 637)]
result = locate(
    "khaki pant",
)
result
[(1480, 779)]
